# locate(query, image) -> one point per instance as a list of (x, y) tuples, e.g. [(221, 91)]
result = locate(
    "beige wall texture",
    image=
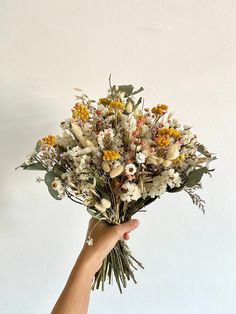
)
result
[(183, 52)]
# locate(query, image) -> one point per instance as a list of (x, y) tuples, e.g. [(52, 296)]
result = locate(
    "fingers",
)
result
[(126, 227), (126, 236)]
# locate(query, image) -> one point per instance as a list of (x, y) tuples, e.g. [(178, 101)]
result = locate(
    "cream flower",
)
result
[(130, 169)]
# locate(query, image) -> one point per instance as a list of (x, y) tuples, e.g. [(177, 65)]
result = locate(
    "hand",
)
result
[(104, 238), (74, 298)]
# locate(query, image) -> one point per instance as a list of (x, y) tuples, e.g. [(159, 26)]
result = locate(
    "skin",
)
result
[(74, 298)]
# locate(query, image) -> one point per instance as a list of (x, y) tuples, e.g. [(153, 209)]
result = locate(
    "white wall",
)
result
[(183, 53)]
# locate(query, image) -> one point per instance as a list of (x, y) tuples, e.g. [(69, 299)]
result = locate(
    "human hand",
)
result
[(104, 238)]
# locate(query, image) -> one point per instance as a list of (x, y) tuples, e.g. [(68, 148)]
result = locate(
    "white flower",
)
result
[(171, 177), (66, 140), (57, 186), (129, 123), (132, 192), (130, 169), (89, 241), (140, 158), (103, 206)]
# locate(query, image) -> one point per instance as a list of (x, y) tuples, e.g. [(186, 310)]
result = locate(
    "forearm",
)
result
[(74, 299)]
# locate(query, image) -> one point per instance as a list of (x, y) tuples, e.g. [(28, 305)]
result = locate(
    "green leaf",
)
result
[(34, 166), (127, 89), (138, 103), (203, 150), (38, 146), (138, 91), (58, 170), (194, 176), (48, 179)]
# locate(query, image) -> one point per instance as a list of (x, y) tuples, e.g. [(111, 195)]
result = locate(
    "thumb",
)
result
[(128, 226)]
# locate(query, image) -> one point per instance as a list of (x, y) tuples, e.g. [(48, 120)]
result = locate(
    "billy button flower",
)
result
[(116, 105), (110, 155), (160, 109), (80, 111), (162, 141), (49, 140), (104, 101), (171, 132)]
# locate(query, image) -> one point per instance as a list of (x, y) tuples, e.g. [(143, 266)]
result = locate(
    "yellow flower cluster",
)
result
[(116, 104), (104, 101), (49, 140), (159, 109), (171, 132), (80, 111), (162, 141), (110, 155)]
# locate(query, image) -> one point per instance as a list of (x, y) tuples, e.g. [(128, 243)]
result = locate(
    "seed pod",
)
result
[(80, 137), (100, 207), (129, 107), (166, 163), (105, 166), (173, 152), (117, 171), (105, 203)]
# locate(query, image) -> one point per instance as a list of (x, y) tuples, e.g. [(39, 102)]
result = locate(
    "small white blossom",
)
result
[(140, 158), (132, 192), (130, 169), (57, 186)]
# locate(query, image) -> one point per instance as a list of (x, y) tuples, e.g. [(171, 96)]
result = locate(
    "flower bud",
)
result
[(129, 107), (105, 166), (166, 163), (173, 152), (105, 203), (100, 207), (117, 171)]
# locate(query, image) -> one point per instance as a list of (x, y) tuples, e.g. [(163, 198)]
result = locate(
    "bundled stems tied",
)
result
[(119, 263)]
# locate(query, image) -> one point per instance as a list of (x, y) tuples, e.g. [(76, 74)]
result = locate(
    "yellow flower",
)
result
[(160, 109), (171, 132), (111, 155), (80, 111), (162, 141), (104, 101), (117, 104), (49, 140)]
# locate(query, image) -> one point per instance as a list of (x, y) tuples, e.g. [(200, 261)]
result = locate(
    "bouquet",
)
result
[(115, 156)]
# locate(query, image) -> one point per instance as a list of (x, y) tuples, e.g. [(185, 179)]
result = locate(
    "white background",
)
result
[(183, 52)]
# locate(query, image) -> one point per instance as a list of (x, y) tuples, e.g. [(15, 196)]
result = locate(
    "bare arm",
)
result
[(74, 298)]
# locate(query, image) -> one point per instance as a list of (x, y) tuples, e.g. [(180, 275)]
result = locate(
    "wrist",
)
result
[(89, 262)]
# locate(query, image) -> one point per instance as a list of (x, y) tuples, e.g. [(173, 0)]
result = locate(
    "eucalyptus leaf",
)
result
[(34, 166), (203, 150), (138, 103), (138, 91), (58, 170), (54, 193), (38, 146), (127, 89), (194, 176), (48, 179)]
